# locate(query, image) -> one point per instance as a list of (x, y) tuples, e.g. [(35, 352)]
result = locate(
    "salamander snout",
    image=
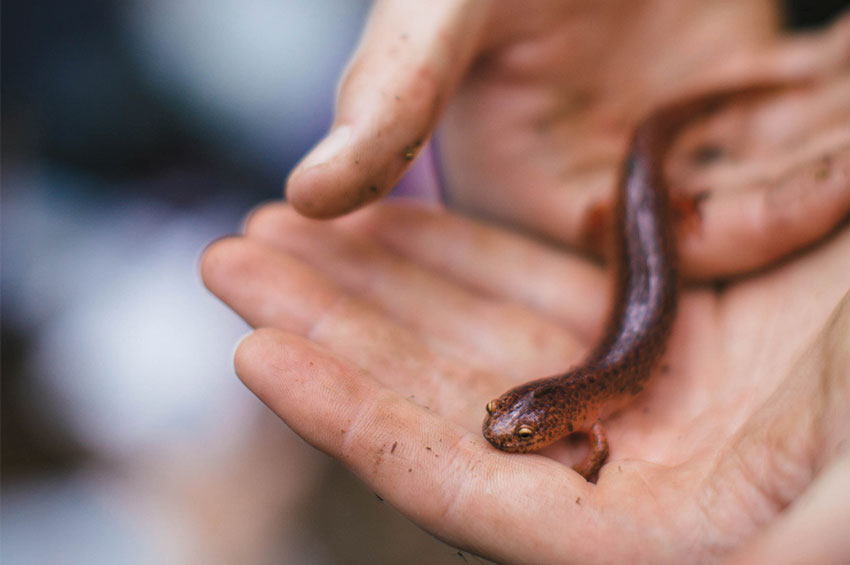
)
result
[(512, 424), (532, 415)]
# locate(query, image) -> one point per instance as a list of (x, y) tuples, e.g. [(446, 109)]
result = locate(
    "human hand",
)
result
[(389, 330), (539, 104)]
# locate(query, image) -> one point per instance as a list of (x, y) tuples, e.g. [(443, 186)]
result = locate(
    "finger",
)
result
[(410, 57), (761, 138), (273, 289), (448, 481), (777, 180), (743, 231), (497, 335), (507, 266)]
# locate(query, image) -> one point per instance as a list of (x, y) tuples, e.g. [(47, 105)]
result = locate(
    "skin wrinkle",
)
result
[(790, 475), (434, 381), (443, 387), (501, 315), (479, 541), (727, 529), (751, 469), (319, 322), (827, 390), (446, 395), (744, 466), (277, 386), (227, 262), (449, 470), (710, 530), (781, 199), (638, 471), (834, 388), (687, 525), (777, 496), (459, 465), (531, 494), (497, 310), (341, 303), (735, 180), (418, 358), (374, 283), (792, 119), (517, 250), (362, 422), (764, 168), (349, 248)]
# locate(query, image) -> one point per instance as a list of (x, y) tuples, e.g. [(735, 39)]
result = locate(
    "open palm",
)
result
[(389, 330)]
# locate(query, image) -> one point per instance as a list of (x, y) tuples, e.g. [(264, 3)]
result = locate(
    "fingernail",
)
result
[(327, 149)]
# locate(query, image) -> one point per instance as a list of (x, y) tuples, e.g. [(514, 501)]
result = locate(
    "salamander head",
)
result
[(529, 417)]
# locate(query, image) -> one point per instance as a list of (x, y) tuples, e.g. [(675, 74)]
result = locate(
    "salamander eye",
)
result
[(491, 407), (524, 432)]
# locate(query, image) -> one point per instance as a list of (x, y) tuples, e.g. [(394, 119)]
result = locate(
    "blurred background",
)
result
[(133, 133)]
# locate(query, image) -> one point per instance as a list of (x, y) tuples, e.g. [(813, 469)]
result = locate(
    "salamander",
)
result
[(537, 413)]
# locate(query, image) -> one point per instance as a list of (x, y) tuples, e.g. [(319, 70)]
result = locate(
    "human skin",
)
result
[(386, 332), (537, 107)]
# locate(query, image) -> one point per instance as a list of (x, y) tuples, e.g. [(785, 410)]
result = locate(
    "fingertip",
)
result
[(251, 348), (261, 214), (390, 98), (318, 187), (366, 169), (326, 150), (215, 260), (208, 258), (240, 353), (329, 190), (309, 188)]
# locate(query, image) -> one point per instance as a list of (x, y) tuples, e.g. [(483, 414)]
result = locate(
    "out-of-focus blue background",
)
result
[(133, 133)]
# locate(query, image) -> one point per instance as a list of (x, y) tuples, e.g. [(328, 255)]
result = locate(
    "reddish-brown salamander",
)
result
[(540, 412)]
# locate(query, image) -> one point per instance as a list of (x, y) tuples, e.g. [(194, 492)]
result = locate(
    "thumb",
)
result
[(410, 58)]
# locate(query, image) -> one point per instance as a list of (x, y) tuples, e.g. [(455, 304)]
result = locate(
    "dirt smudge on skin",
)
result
[(411, 150), (708, 153)]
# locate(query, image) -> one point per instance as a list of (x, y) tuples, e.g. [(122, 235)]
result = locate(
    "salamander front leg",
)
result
[(597, 454)]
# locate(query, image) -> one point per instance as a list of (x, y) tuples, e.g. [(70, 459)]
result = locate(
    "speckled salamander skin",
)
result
[(540, 412)]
